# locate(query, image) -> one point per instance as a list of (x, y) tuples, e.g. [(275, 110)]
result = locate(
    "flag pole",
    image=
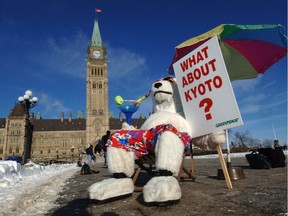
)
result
[(274, 132), (97, 10)]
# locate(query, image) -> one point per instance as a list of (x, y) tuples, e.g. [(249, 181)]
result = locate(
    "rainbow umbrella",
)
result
[(248, 50)]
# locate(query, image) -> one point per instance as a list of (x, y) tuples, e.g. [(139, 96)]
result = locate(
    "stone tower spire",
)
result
[(96, 40)]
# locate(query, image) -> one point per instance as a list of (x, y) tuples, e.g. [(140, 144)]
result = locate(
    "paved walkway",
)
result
[(262, 192)]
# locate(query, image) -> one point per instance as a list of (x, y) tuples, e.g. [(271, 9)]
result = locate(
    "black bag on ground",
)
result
[(85, 169), (276, 156), (258, 161)]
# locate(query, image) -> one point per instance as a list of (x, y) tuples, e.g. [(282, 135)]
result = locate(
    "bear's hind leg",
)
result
[(165, 189), (121, 164)]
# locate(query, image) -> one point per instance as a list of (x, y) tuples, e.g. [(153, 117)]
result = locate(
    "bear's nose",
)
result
[(157, 85)]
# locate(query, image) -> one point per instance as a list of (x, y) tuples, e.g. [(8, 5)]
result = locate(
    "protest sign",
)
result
[(205, 89)]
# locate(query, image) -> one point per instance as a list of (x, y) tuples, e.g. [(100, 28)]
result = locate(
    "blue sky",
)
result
[(43, 48)]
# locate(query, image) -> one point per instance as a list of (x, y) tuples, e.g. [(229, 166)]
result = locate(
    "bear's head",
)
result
[(165, 96)]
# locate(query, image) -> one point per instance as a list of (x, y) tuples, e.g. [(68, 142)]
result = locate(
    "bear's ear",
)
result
[(169, 78), (177, 100)]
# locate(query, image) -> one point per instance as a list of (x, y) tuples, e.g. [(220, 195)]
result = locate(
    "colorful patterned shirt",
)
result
[(142, 142)]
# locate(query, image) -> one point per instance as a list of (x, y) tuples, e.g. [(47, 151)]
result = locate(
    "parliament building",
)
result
[(66, 139)]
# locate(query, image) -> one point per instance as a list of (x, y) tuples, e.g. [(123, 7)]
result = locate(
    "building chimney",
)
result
[(70, 117)]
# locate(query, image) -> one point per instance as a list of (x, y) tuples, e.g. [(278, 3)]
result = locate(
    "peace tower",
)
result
[(97, 112)]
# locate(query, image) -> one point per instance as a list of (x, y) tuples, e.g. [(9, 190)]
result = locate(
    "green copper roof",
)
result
[(96, 40)]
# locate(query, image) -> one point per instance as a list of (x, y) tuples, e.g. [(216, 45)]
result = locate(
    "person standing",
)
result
[(97, 149), (90, 155), (103, 142)]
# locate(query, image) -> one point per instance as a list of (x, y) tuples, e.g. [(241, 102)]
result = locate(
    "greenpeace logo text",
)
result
[(232, 121)]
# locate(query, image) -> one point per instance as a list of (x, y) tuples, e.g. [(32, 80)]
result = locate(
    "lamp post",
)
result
[(79, 153), (29, 102)]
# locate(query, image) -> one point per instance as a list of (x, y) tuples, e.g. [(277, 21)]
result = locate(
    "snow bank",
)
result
[(31, 189)]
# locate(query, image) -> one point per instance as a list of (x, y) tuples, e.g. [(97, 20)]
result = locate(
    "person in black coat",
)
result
[(97, 148), (103, 142)]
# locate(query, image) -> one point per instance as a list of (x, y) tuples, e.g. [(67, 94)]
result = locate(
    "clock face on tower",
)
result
[(97, 54)]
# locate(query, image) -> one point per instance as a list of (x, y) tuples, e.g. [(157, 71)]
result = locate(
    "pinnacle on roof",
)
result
[(80, 115)]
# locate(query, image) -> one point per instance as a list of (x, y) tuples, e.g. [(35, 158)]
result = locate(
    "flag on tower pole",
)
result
[(98, 10)]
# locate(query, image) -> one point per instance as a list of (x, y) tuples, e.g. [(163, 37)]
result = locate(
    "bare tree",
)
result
[(254, 143), (242, 139)]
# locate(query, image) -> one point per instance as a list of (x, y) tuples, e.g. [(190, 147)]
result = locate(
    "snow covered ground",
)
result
[(32, 189)]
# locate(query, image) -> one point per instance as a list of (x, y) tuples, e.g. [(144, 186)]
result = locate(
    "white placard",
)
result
[(205, 89)]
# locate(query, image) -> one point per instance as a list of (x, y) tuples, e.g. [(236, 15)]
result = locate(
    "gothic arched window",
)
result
[(100, 112), (94, 112)]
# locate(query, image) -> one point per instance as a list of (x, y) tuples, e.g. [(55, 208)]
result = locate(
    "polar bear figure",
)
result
[(168, 146)]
